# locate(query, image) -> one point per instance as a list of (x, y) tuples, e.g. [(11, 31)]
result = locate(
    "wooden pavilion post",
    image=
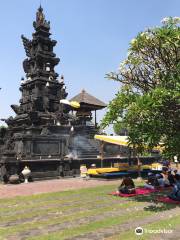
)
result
[(102, 153), (95, 119)]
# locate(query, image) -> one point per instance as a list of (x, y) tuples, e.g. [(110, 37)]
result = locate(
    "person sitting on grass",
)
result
[(164, 181), (175, 195), (176, 174), (171, 178), (166, 165), (150, 182), (127, 186)]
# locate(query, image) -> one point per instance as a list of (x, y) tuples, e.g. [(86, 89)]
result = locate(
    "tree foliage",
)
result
[(148, 103)]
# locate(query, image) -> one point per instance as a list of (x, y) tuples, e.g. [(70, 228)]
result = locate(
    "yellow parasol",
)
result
[(74, 104)]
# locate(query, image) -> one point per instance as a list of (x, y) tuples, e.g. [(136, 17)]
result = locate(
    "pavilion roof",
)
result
[(85, 99)]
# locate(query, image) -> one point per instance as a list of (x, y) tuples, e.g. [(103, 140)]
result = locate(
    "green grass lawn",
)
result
[(88, 213)]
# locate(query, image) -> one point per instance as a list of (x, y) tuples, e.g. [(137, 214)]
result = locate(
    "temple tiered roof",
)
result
[(87, 100)]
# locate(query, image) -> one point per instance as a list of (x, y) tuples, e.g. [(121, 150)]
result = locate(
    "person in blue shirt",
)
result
[(175, 195)]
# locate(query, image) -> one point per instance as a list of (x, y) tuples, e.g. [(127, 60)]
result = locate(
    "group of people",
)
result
[(165, 179)]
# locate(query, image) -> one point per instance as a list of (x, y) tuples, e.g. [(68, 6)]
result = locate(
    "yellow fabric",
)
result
[(122, 167), (156, 166), (121, 140), (75, 104), (117, 168), (118, 140), (96, 171)]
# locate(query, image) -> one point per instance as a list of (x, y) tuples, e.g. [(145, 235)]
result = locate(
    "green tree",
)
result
[(148, 103)]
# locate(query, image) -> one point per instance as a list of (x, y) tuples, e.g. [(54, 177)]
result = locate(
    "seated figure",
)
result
[(151, 181), (164, 181), (175, 195), (127, 186), (166, 164), (176, 174), (171, 178)]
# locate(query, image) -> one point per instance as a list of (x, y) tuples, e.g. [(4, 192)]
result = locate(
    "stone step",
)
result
[(87, 148), (88, 153), (87, 156)]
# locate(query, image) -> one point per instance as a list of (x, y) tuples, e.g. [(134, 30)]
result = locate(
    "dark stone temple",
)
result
[(51, 138)]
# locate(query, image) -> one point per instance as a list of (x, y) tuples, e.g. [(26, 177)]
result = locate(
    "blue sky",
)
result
[(93, 37)]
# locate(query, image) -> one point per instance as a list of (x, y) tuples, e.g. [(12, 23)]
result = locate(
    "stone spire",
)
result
[(40, 19), (41, 58), (41, 90)]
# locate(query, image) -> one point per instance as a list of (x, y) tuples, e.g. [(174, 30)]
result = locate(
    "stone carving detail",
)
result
[(27, 46), (15, 108)]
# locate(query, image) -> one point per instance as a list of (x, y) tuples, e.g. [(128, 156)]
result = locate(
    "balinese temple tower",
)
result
[(44, 134)]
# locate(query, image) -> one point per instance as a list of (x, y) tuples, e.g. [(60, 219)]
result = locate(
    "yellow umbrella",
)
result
[(74, 104)]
